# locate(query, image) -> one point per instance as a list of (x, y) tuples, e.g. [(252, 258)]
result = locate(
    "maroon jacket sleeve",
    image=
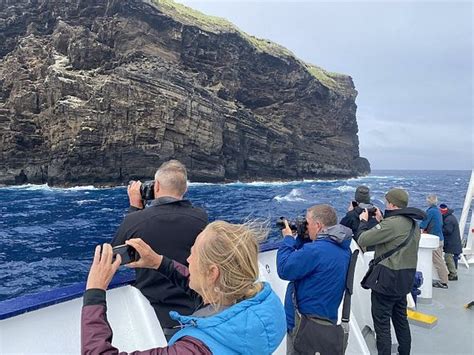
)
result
[(96, 334)]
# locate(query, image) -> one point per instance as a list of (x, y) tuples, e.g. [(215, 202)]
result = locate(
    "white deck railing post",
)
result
[(467, 255)]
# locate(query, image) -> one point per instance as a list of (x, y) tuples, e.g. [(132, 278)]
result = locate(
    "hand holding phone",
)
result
[(102, 268), (149, 259), (126, 252)]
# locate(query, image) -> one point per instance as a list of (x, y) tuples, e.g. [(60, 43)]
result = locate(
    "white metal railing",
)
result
[(467, 255)]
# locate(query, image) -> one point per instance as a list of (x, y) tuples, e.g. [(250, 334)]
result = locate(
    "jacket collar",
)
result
[(226, 314), (410, 212), (166, 200)]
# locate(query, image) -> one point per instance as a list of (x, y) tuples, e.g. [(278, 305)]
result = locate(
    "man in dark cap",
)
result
[(452, 240), (356, 207), (396, 240)]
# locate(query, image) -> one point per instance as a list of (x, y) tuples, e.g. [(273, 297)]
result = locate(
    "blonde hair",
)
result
[(432, 199), (172, 176), (233, 248)]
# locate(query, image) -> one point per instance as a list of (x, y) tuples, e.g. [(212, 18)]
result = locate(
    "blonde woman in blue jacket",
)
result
[(240, 314)]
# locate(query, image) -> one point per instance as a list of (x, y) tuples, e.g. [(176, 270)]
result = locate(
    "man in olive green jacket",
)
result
[(394, 276)]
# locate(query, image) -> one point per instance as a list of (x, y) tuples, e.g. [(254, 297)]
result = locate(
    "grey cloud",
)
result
[(411, 63)]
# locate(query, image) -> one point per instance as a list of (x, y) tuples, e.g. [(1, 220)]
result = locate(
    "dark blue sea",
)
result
[(47, 234)]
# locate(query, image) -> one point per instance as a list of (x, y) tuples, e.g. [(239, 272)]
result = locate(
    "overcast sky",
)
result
[(411, 63)]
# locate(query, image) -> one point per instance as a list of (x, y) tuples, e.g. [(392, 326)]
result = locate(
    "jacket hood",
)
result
[(253, 326), (410, 212), (337, 233), (450, 212)]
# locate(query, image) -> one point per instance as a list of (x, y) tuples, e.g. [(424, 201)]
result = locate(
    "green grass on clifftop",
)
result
[(214, 24), (325, 77), (190, 16)]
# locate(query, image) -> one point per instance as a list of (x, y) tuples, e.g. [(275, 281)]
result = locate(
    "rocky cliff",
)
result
[(101, 91)]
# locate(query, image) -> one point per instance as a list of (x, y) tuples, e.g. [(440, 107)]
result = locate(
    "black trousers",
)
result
[(385, 308)]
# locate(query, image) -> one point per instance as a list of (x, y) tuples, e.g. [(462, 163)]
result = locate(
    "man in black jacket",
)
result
[(452, 240), (356, 207), (170, 226)]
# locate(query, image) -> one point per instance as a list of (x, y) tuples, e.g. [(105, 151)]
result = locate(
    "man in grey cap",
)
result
[(396, 238)]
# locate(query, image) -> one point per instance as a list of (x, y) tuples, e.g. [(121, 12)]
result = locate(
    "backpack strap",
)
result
[(393, 251), (346, 306)]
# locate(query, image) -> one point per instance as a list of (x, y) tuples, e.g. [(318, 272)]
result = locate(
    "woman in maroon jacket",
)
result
[(242, 315)]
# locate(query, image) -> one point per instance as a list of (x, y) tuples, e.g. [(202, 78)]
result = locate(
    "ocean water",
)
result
[(48, 235)]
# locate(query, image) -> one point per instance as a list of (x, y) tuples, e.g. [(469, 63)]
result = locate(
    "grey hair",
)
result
[(173, 177), (432, 199), (324, 214)]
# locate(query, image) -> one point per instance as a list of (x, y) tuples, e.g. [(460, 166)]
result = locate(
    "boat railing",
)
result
[(23, 304)]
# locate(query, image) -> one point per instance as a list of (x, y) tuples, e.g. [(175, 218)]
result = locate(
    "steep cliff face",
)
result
[(101, 91)]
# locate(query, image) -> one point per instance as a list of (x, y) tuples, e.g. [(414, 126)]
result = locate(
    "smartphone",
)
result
[(127, 253)]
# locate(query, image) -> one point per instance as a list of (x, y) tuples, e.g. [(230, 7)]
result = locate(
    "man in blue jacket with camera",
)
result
[(316, 265)]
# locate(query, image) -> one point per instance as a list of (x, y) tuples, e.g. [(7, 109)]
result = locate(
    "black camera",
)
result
[(126, 252), (371, 209), (299, 225), (147, 189)]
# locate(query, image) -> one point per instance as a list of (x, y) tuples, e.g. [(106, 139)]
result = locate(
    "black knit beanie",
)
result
[(362, 194)]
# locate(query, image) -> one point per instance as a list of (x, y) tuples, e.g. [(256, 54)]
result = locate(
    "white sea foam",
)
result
[(310, 181), (82, 202), (272, 183), (18, 214), (293, 196), (32, 230), (45, 187), (345, 188), (283, 183), (200, 183), (79, 188), (258, 183), (106, 209), (266, 183), (376, 177), (30, 187), (321, 180)]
